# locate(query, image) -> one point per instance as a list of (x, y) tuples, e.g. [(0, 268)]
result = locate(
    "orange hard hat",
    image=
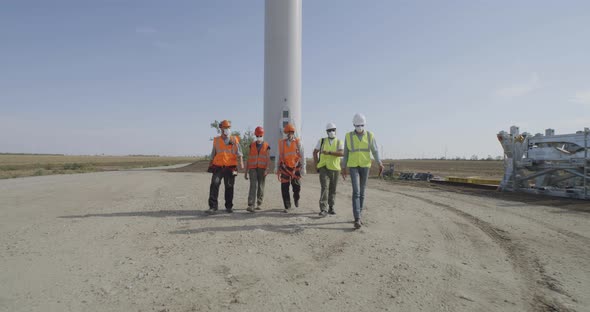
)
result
[(259, 131), (289, 128), (225, 124)]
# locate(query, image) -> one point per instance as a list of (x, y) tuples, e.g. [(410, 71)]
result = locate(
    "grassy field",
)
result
[(444, 168), (14, 166), (491, 169)]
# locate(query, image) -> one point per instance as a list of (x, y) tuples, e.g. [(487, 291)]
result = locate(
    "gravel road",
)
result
[(140, 241)]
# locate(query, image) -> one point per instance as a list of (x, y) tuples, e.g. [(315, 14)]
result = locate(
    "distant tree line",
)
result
[(473, 157)]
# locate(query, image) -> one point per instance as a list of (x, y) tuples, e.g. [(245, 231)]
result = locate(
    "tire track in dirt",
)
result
[(450, 276), (528, 266), (564, 232)]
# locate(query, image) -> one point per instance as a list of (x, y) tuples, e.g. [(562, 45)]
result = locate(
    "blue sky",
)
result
[(147, 77)]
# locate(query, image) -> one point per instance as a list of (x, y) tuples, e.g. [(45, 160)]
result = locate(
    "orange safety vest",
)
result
[(289, 155), (258, 159), (226, 154)]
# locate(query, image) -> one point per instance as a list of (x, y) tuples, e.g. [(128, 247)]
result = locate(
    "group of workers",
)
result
[(332, 157)]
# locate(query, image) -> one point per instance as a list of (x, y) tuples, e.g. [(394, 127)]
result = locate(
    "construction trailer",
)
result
[(556, 165)]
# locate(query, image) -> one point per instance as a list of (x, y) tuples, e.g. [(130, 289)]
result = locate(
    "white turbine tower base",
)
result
[(282, 69)]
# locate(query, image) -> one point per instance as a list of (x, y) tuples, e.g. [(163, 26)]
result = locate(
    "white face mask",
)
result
[(226, 132), (359, 129), (331, 134), (259, 139)]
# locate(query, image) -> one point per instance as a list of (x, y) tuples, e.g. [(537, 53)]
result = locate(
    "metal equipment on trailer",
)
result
[(556, 165)]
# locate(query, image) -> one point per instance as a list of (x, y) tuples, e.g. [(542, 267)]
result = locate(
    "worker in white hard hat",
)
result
[(358, 147), (327, 156)]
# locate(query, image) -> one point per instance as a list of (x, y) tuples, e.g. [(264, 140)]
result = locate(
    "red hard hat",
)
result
[(225, 124), (259, 131), (289, 128)]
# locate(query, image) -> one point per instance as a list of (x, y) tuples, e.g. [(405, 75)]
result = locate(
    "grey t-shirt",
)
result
[(226, 141)]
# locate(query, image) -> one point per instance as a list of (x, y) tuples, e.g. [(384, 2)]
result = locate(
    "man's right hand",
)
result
[(344, 173)]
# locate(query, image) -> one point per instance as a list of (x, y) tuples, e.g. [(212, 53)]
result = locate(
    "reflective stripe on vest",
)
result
[(258, 159), (331, 162), (359, 153), (289, 154), (226, 154)]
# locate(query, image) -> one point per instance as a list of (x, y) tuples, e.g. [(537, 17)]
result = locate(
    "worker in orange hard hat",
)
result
[(258, 162), (224, 166), (291, 166)]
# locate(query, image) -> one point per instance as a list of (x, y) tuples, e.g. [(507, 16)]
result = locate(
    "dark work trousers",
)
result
[(228, 181), (296, 183)]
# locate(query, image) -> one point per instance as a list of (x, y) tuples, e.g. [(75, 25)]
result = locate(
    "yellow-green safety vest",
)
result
[(359, 153), (331, 162)]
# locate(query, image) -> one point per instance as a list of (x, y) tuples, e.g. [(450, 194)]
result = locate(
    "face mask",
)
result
[(259, 139), (226, 132), (359, 129), (331, 134)]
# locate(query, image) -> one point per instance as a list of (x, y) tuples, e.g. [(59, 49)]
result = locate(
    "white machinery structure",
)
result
[(558, 164), (282, 69)]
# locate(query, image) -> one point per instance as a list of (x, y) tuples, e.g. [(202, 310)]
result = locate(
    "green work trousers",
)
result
[(328, 182), (256, 193)]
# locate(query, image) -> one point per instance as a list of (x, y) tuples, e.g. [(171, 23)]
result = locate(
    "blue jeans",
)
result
[(358, 177)]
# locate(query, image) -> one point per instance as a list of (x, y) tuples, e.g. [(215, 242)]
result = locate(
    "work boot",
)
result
[(230, 210), (297, 203), (286, 210), (323, 213), (258, 208), (211, 211), (331, 211), (357, 224), (250, 209)]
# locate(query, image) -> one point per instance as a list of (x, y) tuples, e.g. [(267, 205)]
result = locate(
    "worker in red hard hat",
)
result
[(258, 163), (291, 166), (224, 166)]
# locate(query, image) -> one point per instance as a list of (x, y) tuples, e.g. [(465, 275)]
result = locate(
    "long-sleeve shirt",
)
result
[(301, 155), (372, 146)]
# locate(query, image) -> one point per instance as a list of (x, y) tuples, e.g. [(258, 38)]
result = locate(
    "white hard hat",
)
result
[(359, 119), (330, 125)]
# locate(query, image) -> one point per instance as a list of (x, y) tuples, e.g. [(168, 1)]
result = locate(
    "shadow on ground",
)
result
[(278, 228)]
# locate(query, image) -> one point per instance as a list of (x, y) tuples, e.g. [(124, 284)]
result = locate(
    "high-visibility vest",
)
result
[(359, 153), (258, 159), (289, 154), (226, 154), (331, 162)]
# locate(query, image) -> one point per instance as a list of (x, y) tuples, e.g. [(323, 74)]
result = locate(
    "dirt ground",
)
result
[(140, 241)]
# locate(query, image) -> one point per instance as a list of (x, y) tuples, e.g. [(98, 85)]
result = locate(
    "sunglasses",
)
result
[(258, 136), (359, 125), (331, 130)]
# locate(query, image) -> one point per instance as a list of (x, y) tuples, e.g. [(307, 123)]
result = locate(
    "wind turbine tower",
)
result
[(282, 69)]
